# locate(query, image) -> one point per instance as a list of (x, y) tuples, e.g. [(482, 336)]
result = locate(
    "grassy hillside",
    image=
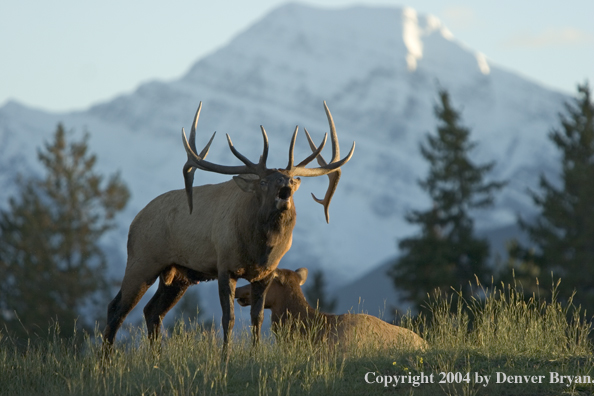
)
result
[(520, 346)]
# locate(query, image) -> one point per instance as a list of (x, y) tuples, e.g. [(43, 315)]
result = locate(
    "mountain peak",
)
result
[(377, 68), (329, 48)]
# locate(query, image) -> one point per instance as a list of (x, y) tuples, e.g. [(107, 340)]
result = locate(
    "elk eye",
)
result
[(263, 183)]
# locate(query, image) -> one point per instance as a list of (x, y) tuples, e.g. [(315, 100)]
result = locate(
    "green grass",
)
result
[(508, 335)]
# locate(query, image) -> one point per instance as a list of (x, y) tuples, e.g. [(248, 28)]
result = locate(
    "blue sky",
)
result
[(66, 54)]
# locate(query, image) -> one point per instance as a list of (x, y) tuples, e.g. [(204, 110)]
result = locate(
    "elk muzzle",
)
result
[(286, 189)]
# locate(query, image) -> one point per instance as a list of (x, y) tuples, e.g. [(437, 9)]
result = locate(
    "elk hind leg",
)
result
[(130, 293), (172, 286)]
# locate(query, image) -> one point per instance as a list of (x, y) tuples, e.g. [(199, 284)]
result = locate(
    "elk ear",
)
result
[(302, 272), (245, 183)]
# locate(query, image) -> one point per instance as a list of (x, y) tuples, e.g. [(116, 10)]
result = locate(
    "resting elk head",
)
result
[(273, 187)]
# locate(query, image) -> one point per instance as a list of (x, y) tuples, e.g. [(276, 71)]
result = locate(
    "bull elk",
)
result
[(288, 305), (237, 229)]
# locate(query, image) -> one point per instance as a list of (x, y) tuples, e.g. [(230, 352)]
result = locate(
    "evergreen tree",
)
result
[(316, 293), (563, 233), (446, 253), (53, 269), (521, 271)]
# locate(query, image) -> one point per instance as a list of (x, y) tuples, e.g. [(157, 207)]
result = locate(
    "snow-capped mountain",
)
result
[(377, 68)]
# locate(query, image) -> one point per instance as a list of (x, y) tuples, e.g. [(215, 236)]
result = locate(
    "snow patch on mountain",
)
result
[(411, 34), (483, 65)]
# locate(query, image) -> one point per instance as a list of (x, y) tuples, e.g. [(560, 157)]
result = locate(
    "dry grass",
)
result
[(509, 334)]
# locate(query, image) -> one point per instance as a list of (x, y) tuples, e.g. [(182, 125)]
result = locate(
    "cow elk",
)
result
[(237, 229), (288, 306)]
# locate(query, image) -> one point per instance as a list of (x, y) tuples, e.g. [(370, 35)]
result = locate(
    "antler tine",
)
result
[(190, 147), (193, 130), (290, 167), (193, 159), (324, 170), (264, 155), (333, 135), (191, 144), (335, 163), (316, 151), (291, 149), (333, 179), (196, 161), (240, 156), (259, 168), (315, 148)]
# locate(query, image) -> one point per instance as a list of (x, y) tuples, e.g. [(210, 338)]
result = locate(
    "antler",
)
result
[(197, 161), (333, 177)]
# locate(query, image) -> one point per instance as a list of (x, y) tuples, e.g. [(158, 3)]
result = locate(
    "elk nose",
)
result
[(285, 192)]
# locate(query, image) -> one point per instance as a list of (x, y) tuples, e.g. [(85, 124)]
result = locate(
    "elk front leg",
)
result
[(258, 295), (227, 297)]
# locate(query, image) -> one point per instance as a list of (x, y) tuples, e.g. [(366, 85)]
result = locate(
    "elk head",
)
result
[(285, 285), (273, 187)]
